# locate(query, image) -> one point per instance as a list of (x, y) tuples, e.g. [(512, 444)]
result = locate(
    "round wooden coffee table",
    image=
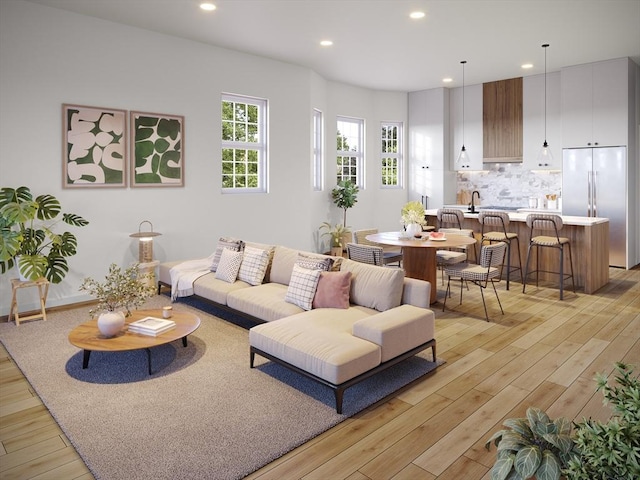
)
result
[(87, 336)]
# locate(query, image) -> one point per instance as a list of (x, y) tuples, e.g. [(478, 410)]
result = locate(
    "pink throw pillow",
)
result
[(333, 290)]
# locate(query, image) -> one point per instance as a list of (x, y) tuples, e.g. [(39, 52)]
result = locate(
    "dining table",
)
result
[(419, 253)]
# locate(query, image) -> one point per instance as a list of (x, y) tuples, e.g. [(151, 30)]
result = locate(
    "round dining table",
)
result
[(419, 254)]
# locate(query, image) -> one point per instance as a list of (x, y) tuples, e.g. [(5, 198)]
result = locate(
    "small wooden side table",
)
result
[(43, 290)]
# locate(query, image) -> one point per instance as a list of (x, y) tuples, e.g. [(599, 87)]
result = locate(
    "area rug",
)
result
[(202, 414)]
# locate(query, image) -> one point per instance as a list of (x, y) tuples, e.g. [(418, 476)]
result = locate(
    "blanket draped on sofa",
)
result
[(184, 274)]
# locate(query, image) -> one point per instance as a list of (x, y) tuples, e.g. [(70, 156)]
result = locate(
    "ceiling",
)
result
[(376, 44)]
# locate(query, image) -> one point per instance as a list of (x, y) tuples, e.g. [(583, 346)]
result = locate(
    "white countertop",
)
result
[(522, 217)]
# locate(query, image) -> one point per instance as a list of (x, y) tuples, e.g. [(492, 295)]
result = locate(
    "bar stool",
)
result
[(548, 223), (450, 221), (500, 221), (43, 290)]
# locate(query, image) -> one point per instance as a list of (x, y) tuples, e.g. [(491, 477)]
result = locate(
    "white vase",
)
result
[(110, 323), (413, 229)]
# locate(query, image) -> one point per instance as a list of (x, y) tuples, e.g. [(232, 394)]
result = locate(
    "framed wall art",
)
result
[(157, 150), (93, 146)]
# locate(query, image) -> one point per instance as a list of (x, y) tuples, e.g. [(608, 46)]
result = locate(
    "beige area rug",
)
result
[(202, 414)]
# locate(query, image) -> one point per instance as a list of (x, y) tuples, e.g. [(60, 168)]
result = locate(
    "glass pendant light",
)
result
[(545, 157), (463, 157)]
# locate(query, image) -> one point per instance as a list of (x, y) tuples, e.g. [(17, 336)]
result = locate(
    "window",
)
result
[(244, 144), (350, 151), (391, 134), (318, 150)]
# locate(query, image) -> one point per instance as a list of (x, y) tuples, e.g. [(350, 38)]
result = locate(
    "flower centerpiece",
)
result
[(121, 290), (413, 217)]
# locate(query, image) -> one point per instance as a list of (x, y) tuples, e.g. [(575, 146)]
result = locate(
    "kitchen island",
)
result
[(589, 238)]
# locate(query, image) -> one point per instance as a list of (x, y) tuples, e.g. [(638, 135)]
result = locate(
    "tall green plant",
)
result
[(26, 231), (345, 196)]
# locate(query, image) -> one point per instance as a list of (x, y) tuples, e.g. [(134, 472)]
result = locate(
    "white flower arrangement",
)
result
[(413, 212)]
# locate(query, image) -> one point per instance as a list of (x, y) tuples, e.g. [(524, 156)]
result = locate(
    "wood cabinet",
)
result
[(595, 104), (428, 141), (502, 120), (533, 129), (472, 126)]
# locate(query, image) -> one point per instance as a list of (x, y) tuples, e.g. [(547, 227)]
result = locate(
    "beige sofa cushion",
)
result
[(212, 288), (284, 259), (397, 331), (374, 287), (265, 301), (319, 342)]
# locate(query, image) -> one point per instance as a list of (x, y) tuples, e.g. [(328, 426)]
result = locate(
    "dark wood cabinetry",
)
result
[(502, 120)]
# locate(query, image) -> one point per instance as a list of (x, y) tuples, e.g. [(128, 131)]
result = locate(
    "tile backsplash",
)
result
[(509, 184)]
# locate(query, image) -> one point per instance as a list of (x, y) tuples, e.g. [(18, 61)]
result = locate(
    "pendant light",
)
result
[(463, 157), (545, 157)]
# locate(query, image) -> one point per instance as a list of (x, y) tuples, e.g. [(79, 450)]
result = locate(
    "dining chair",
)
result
[(487, 272), (495, 226), (370, 254), (389, 254), (550, 224)]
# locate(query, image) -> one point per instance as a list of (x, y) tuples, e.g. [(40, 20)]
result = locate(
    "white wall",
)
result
[(49, 57)]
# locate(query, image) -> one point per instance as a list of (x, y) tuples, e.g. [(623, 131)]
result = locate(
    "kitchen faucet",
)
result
[(472, 207)]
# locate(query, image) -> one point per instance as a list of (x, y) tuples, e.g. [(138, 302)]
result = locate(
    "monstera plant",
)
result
[(27, 236)]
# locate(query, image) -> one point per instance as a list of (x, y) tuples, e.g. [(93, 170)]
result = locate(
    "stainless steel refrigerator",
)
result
[(594, 184)]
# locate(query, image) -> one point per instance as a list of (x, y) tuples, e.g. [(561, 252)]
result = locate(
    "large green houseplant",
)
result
[(27, 236), (537, 447), (345, 196)]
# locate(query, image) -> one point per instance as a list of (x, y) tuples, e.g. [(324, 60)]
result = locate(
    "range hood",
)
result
[(502, 121), (503, 160)]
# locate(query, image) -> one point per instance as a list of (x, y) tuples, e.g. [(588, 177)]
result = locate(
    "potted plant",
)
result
[(537, 447), (345, 196), (120, 290), (337, 233), (27, 237), (412, 217)]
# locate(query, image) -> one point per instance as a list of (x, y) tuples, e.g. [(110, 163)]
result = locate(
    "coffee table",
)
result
[(87, 336)]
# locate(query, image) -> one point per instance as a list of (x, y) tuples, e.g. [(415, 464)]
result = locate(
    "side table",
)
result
[(43, 290)]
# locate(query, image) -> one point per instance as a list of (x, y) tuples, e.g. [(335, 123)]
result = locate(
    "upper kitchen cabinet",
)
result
[(502, 120), (429, 174), (533, 135), (595, 104), (472, 126)]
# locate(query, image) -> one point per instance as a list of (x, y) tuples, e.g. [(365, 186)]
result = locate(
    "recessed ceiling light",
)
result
[(527, 65), (326, 43), (416, 15), (447, 80), (208, 6)]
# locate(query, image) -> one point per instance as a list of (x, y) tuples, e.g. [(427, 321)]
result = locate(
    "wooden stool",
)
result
[(43, 290)]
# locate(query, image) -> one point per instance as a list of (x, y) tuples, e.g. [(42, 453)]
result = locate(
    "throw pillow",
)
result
[(229, 265), (254, 265), (333, 290), (224, 242), (302, 287), (314, 263)]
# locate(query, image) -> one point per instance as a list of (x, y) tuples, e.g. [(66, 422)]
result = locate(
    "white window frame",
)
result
[(318, 150), (355, 131), (259, 145), (398, 156)]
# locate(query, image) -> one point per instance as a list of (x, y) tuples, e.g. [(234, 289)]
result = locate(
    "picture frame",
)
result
[(94, 146), (157, 150)]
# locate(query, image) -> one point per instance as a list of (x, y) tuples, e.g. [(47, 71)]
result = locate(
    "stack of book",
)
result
[(151, 326)]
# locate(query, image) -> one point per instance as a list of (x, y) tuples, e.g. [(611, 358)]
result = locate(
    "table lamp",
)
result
[(145, 242)]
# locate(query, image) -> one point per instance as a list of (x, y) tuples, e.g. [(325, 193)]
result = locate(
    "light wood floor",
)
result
[(542, 352)]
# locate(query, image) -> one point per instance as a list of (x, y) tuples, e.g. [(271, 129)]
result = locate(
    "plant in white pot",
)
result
[(26, 233), (413, 218), (121, 290)]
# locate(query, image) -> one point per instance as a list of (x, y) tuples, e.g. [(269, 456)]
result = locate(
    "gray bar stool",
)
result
[(552, 224)]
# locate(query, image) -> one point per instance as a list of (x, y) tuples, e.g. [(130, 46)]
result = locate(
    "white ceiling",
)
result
[(377, 45)]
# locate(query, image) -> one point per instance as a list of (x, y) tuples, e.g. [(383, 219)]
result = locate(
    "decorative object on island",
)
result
[(345, 196), (27, 239), (413, 218), (463, 157), (545, 157), (337, 234), (537, 447), (121, 289), (93, 146), (145, 242), (157, 150)]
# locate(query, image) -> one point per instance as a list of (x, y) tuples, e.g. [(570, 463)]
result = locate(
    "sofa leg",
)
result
[(433, 350), (339, 395), (252, 357)]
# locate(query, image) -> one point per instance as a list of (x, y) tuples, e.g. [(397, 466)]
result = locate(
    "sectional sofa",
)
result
[(331, 319)]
